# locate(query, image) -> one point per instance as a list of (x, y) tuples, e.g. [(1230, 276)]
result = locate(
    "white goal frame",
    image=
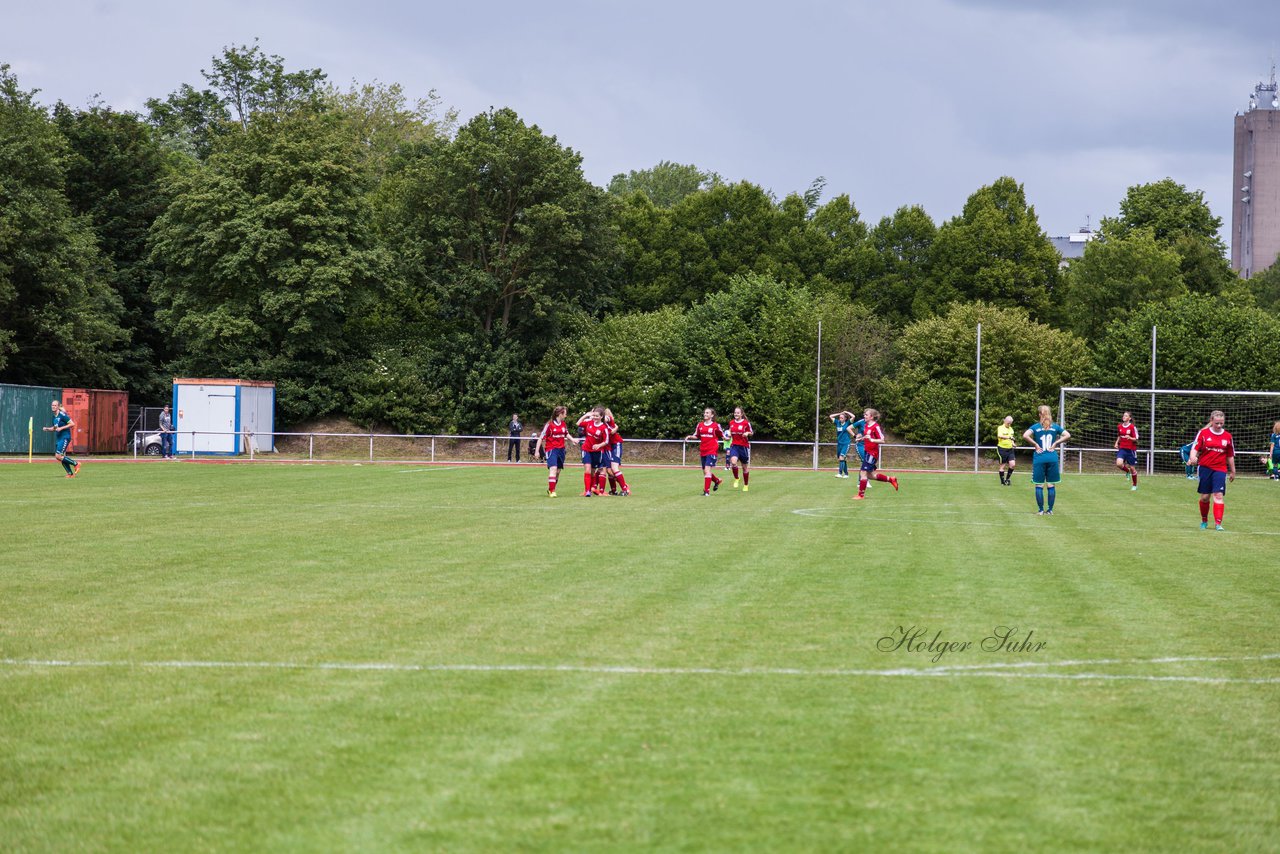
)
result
[(1153, 394)]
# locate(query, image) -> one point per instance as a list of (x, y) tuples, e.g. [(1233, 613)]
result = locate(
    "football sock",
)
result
[(1204, 508), (1040, 498), (613, 480), (882, 476), (716, 480), (1218, 510), (746, 478), (1133, 473), (862, 486), (551, 484), (706, 484), (735, 472), (1002, 477), (1052, 492), (587, 478), (66, 465), (622, 481)]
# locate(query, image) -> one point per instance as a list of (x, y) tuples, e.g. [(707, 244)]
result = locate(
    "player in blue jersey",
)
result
[(62, 427), (845, 432), (1185, 453), (1046, 437), (1273, 454)]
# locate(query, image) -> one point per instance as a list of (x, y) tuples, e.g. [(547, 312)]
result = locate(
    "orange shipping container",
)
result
[(102, 420)]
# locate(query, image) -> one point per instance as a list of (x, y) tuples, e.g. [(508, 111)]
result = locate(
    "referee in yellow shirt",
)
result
[(1004, 447)]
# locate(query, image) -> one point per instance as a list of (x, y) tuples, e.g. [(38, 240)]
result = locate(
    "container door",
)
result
[(220, 419), (76, 401)]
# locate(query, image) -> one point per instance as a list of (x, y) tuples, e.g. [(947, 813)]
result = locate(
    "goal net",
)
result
[(1166, 420)]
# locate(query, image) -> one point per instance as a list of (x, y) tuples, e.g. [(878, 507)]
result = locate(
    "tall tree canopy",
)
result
[(59, 318)]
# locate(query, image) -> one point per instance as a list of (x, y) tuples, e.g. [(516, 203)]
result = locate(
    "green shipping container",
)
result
[(18, 403)]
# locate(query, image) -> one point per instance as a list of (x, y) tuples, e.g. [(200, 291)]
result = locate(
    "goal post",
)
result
[(1166, 420)]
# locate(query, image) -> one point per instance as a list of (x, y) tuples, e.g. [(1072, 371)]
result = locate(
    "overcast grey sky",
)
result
[(895, 103)]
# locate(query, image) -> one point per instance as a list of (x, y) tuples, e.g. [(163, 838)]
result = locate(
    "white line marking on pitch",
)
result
[(998, 670), (415, 471)]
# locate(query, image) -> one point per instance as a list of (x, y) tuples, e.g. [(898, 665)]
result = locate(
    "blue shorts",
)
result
[(869, 464), (1212, 481), (862, 452), (62, 444), (1128, 456), (555, 458), (595, 459), (615, 455), (742, 452), (1045, 469), (842, 451), (708, 460)]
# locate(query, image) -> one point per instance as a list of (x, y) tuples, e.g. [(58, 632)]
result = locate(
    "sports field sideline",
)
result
[(339, 657)]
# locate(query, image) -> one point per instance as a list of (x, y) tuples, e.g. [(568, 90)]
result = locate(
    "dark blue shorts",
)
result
[(842, 451), (615, 454), (1212, 481), (595, 459), (555, 458), (869, 464), (62, 445), (1128, 456), (742, 452), (708, 460)]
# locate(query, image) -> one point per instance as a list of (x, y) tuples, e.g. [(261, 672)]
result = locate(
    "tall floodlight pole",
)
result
[(1151, 436), (817, 400), (977, 397)]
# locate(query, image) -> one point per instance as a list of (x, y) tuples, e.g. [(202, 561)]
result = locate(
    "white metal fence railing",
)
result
[(443, 448)]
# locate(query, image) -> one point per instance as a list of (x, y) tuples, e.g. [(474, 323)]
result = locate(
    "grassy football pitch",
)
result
[(397, 657)]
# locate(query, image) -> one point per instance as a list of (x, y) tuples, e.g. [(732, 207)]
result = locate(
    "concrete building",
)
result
[(1072, 246), (1255, 212)]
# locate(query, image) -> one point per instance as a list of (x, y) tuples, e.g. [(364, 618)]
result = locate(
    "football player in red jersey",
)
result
[(551, 442), (1215, 453), (1127, 448), (872, 437), (740, 448), (595, 447), (708, 434), (616, 477)]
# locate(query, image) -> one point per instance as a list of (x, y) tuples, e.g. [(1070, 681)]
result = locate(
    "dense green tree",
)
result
[(1181, 219), (901, 246), (824, 247), (1117, 273), (1203, 342), (114, 177), (244, 82), (501, 227), (383, 121), (267, 258), (1265, 287), (664, 184), (59, 318), (996, 252), (931, 395)]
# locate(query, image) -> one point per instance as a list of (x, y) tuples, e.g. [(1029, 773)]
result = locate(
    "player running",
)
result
[(551, 442), (871, 438), (1215, 453), (1046, 437), (740, 448), (1127, 448), (62, 426), (708, 433)]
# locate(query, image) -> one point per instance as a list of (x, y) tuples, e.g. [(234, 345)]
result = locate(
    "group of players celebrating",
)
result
[(601, 444)]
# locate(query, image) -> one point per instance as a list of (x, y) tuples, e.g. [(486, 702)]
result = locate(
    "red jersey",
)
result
[(1214, 449), (615, 438), (553, 435), (595, 437), (739, 430), (709, 436), (873, 436), (1128, 436)]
